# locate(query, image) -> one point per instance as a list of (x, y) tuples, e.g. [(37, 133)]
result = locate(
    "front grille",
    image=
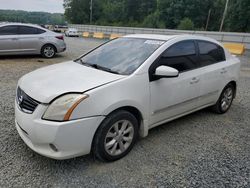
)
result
[(25, 102)]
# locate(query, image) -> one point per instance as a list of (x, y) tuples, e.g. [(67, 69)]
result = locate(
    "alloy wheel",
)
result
[(227, 99), (49, 51), (119, 137)]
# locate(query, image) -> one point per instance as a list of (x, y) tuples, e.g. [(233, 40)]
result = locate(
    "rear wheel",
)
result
[(225, 101), (48, 51), (116, 136)]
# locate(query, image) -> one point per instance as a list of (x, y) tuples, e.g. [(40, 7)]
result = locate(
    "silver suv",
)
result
[(16, 38)]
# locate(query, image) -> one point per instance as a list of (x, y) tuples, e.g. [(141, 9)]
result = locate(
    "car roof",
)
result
[(169, 37), (21, 24), (151, 36)]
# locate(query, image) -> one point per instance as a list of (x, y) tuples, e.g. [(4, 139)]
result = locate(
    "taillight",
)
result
[(60, 37)]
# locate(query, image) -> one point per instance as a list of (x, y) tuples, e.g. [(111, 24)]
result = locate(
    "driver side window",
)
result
[(9, 30), (181, 56)]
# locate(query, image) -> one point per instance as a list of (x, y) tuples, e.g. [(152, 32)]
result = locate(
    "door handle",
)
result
[(223, 71), (194, 80)]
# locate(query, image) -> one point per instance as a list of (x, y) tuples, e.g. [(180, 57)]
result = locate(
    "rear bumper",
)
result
[(61, 48), (70, 139)]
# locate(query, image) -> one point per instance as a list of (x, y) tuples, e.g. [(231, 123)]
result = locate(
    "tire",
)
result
[(225, 101), (109, 142), (48, 51)]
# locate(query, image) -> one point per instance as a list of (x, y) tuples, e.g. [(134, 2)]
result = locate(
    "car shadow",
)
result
[(173, 130), (13, 57)]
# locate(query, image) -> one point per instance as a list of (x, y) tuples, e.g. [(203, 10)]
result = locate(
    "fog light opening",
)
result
[(53, 147)]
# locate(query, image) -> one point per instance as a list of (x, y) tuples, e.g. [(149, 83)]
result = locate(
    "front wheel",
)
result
[(116, 136), (225, 101), (48, 51)]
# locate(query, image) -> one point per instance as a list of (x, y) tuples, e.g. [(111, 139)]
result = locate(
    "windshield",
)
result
[(121, 56)]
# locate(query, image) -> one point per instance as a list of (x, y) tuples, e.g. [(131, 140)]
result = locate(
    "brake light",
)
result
[(60, 37)]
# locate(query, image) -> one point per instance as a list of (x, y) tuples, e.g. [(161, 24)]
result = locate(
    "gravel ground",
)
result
[(199, 150)]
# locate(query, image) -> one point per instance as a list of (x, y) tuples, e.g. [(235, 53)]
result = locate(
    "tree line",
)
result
[(32, 17), (171, 14)]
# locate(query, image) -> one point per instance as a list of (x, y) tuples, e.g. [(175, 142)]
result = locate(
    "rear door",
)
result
[(31, 39), (212, 61), (9, 43)]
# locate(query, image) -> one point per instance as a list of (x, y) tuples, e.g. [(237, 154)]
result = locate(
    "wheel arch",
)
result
[(48, 44), (143, 131), (139, 115), (133, 110), (234, 83)]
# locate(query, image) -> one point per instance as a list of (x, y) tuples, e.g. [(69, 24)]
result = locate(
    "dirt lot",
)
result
[(200, 150)]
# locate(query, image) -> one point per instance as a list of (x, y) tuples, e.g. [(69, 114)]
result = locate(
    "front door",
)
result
[(9, 42), (171, 97)]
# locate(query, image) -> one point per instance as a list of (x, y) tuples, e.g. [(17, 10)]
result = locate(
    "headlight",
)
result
[(62, 108)]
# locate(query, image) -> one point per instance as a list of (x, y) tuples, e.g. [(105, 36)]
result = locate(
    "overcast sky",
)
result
[(33, 5)]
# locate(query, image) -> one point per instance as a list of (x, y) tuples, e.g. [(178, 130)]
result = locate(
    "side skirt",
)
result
[(180, 115)]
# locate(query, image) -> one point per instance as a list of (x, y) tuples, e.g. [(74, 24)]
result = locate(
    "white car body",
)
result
[(157, 102), (72, 32)]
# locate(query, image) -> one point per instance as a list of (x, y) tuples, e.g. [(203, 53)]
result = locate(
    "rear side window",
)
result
[(181, 56), (8, 30), (26, 30), (40, 31), (210, 53)]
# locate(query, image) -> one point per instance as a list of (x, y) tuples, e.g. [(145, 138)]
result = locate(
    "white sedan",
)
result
[(103, 101), (72, 32)]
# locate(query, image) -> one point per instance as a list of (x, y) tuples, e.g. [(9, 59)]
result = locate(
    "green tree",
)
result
[(113, 12), (77, 11), (153, 21), (217, 8), (169, 14), (32, 17), (238, 16), (186, 24)]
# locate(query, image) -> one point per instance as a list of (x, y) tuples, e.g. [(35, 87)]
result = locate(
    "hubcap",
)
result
[(119, 137), (227, 99), (49, 51)]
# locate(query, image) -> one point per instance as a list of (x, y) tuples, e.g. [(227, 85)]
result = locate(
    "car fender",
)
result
[(110, 97)]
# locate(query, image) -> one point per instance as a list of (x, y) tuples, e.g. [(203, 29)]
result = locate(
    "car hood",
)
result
[(47, 83)]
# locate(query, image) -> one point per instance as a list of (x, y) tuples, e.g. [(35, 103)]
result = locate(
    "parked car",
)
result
[(16, 39), (60, 28), (71, 32), (104, 100)]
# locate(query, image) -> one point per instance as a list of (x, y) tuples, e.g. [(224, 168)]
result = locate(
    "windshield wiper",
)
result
[(99, 67), (85, 63)]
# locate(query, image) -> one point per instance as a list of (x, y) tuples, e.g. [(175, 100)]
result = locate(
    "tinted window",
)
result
[(8, 30), (40, 31), (25, 30), (210, 53), (181, 56)]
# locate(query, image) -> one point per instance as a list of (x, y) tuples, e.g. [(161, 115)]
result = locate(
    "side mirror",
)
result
[(165, 72)]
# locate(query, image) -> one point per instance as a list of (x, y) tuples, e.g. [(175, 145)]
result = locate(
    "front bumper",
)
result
[(71, 139)]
